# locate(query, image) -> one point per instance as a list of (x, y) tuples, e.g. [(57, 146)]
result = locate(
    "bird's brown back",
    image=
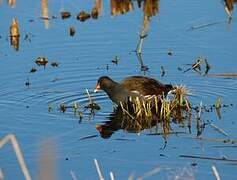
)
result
[(144, 85)]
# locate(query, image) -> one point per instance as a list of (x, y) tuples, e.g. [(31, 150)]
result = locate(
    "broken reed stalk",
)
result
[(111, 176), (47, 160), (131, 176), (231, 141), (14, 28), (1, 174), (215, 172), (150, 173), (98, 170), (224, 75), (199, 111), (73, 175), (209, 158), (19, 155), (218, 103), (89, 97), (125, 111), (219, 129)]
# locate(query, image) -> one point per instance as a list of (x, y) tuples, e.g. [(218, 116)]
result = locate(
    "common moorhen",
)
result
[(133, 86)]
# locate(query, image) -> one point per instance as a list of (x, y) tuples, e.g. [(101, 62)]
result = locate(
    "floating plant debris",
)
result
[(28, 37), (65, 14), (41, 61), (55, 79), (92, 105), (80, 114), (197, 66), (50, 108), (162, 71), (94, 13), (75, 106), (170, 53), (33, 70), (62, 108), (27, 83), (55, 64), (144, 68), (83, 16), (72, 31), (115, 60)]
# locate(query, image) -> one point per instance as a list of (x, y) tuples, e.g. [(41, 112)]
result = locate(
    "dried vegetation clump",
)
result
[(150, 111)]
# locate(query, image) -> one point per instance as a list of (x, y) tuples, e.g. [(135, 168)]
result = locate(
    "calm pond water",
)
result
[(188, 29)]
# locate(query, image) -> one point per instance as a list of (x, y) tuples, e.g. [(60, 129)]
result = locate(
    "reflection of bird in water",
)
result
[(118, 121), (131, 86), (229, 6)]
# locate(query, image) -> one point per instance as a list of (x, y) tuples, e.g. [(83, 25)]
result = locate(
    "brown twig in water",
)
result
[(98, 169), (209, 158), (215, 172), (224, 75), (216, 140), (19, 155)]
